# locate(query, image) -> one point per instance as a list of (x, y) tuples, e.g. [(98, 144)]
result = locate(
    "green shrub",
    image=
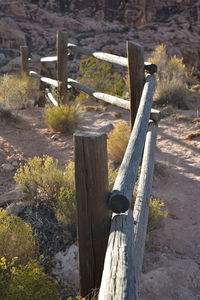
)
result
[(157, 214), (98, 75), (172, 87), (16, 238), (118, 140), (27, 282), (62, 118), (17, 92), (46, 184)]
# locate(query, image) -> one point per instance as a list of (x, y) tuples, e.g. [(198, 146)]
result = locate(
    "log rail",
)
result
[(111, 230)]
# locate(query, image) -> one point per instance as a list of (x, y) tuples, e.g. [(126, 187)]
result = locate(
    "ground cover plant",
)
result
[(21, 275), (17, 92), (118, 140), (172, 80), (62, 118), (98, 75)]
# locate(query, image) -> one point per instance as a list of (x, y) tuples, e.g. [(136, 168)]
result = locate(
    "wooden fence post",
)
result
[(62, 67), (24, 60), (135, 54), (42, 87), (91, 178)]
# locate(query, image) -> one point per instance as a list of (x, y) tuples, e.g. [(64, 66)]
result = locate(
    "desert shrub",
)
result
[(62, 118), (172, 87), (112, 174), (17, 92), (46, 184), (157, 214), (16, 238), (98, 75), (118, 140), (26, 282)]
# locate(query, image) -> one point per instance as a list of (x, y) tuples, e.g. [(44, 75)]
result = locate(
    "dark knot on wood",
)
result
[(118, 203)]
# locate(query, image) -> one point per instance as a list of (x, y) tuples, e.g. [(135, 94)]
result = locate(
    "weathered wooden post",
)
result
[(135, 54), (62, 67), (91, 178), (24, 60), (42, 87)]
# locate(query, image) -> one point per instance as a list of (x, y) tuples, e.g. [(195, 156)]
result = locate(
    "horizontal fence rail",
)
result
[(119, 273), (98, 95), (51, 97), (118, 279), (114, 59), (141, 206), (123, 188), (44, 79)]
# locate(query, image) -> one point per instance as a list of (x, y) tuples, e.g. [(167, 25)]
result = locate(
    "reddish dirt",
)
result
[(176, 179)]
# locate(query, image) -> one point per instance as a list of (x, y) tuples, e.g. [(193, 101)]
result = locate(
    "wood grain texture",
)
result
[(91, 177), (62, 67), (98, 95), (123, 188), (115, 59), (135, 54), (44, 79), (24, 60), (51, 97), (118, 280), (141, 207)]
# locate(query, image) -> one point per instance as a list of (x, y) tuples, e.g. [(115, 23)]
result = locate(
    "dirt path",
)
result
[(171, 262)]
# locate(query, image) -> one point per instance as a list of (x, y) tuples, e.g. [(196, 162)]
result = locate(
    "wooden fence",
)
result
[(111, 236)]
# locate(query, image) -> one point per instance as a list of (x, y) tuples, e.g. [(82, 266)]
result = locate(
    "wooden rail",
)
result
[(141, 207), (114, 59), (123, 188), (120, 238)]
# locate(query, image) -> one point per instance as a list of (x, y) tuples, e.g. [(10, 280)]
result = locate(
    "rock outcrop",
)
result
[(104, 25)]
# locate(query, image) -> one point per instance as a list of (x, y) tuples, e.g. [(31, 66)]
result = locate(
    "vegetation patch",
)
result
[(118, 140), (157, 214), (62, 118), (99, 76), (172, 80), (193, 135)]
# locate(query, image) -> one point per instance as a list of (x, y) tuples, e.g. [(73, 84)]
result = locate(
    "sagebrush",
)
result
[(98, 75), (16, 238), (172, 84), (17, 92), (62, 118), (157, 214), (26, 282), (118, 140)]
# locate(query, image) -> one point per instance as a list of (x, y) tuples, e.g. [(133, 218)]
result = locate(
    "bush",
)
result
[(16, 238), (62, 118), (118, 140), (27, 282), (46, 184), (17, 92), (172, 87), (98, 75), (156, 214), (6, 115)]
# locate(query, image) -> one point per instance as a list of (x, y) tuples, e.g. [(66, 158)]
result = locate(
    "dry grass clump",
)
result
[(193, 135), (16, 238), (118, 140), (17, 92), (62, 118), (172, 84), (157, 214)]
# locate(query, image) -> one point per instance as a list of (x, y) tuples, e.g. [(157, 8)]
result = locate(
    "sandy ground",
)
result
[(176, 179)]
